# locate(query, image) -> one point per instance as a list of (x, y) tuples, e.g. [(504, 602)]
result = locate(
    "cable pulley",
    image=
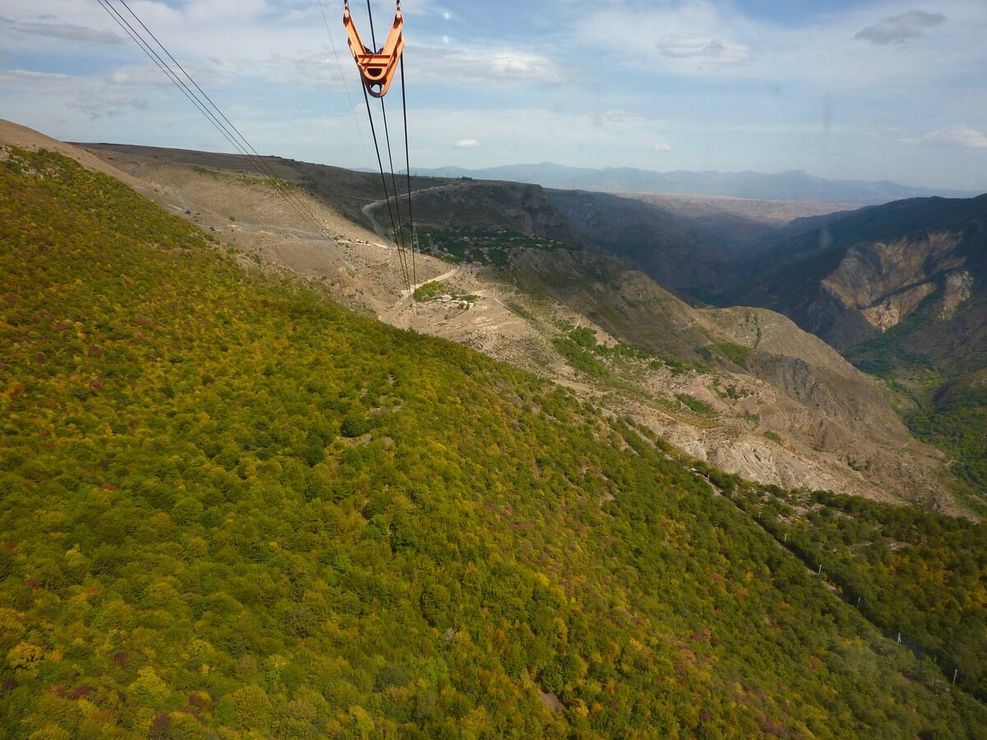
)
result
[(377, 67)]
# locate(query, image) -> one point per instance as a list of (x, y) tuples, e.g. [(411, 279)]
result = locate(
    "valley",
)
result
[(898, 289), (784, 410)]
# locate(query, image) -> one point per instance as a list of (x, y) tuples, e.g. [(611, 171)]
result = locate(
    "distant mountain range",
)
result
[(795, 185)]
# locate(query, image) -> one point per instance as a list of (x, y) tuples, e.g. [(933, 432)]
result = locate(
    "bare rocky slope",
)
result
[(899, 289), (774, 402), (914, 266), (743, 388)]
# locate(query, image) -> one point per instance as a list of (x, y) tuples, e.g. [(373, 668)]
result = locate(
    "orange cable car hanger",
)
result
[(377, 68)]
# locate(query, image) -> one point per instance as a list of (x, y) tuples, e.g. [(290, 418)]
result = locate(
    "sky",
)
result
[(848, 89)]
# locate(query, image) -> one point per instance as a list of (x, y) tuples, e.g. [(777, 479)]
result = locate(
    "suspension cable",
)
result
[(211, 111), (373, 36), (342, 76), (173, 76), (394, 182), (383, 180), (407, 160), (393, 210)]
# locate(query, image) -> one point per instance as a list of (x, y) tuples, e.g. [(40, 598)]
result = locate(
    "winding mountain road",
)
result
[(368, 209)]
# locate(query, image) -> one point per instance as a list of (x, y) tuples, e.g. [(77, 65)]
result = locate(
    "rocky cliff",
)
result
[(916, 267)]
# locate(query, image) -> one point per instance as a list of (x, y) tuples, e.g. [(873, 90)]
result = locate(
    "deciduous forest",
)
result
[(230, 507)]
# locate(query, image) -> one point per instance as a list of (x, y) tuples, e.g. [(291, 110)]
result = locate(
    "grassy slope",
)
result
[(229, 504)]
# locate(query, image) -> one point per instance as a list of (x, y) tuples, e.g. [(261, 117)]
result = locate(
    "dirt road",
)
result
[(407, 296)]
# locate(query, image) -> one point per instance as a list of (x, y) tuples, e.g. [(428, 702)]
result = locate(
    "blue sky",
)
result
[(843, 89)]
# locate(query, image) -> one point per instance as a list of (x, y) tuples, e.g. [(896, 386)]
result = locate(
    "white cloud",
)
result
[(695, 38), (884, 132), (29, 77), (901, 28), (715, 40), (449, 65), (534, 135), (421, 7), (961, 137), (467, 144), (107, 104), (27, 90), (710, 49), (62, 31), (662, 146)]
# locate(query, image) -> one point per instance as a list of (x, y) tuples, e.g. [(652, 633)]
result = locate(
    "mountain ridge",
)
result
[(848, 264), (901, 290), (792, 185)]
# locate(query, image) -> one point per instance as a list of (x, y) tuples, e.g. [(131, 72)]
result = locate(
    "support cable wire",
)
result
[(129, 30), (393, 212), (217, 118), (247, 149), (212, 105), (394, 181), (373, 36), (410, 275), (407, 161), (387, 197), (229, 129)]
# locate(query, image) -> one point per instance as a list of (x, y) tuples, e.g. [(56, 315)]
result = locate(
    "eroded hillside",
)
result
[(861, 275), (900, 290)]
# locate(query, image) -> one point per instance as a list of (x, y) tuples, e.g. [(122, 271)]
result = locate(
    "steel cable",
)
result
[(218, 119)]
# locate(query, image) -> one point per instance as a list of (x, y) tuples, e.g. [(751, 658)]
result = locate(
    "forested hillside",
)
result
[(916, 574), (229, 507)]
